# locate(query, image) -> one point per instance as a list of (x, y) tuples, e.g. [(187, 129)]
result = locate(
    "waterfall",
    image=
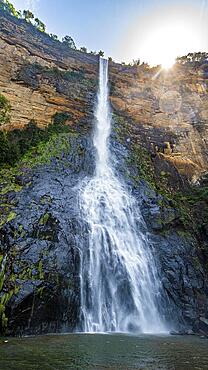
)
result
[(119, 284)]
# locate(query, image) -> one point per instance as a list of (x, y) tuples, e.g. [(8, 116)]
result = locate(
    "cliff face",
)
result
[(41, 77), (160, 147), (168, 111)]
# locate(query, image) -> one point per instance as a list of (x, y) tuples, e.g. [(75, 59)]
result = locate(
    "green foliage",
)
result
[(5, 109), (60, 118), (68, 41), (53, 73), (8, 184), (9, 286), (26, 149), (191, 204), (57, 145), (44, 218), (2, 275), (53, 36), (195, 59), (28, 15), (15, 144), (6, 6), (83, 49), (142, 160), (136, 62), (101, 53), (40, 270), (7, 218), (40, 25)]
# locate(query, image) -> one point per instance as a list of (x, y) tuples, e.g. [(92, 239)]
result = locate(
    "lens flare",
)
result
[(162, 34), (168, 41)]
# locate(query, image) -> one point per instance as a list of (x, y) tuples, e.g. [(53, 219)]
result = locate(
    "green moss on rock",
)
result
[(191, 202), (44, 219)]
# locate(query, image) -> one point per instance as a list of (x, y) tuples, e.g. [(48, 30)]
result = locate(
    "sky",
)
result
[(153, 30)]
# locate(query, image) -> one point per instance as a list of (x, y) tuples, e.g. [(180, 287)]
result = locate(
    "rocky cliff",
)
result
[(41, 77), (168, 111), (160, 148)]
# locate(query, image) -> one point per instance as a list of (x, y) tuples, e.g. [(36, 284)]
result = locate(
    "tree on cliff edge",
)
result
[(68, 40), (40, 25), (8, 7), (28, 15)]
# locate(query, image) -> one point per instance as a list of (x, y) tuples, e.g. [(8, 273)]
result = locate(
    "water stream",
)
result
[(120, 289)]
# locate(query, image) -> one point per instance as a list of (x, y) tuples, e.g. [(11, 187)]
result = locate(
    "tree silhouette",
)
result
[(8, 7), (40, 25), (193, 59), (28, 15), (83, 49), (68, 41), (54, 37)]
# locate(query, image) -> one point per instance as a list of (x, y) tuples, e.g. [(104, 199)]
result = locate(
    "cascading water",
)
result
[(119, 285)]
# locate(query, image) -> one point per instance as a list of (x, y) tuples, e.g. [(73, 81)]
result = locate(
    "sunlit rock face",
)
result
[(41, 77), (166, 104), (158, 143)]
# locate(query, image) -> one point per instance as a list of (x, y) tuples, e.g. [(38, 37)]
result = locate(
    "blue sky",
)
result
[(97, 24), (110, 25)]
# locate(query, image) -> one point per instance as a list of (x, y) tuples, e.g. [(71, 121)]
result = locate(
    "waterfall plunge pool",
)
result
[(104, 351)]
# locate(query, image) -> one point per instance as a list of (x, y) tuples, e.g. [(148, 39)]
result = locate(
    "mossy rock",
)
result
[(46, 228)]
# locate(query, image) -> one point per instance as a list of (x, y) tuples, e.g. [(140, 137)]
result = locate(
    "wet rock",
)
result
[(203, 325), (42, 246), (175, 251), (173, 332), (22, 180), (46, 228)]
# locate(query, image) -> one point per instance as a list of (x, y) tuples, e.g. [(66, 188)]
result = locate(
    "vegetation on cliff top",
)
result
[(195, 59), (29, 17)]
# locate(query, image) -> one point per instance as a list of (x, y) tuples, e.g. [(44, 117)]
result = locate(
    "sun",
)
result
[(166, 42), (162, 34)]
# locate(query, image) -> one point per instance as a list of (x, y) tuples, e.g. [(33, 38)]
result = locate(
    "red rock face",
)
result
[(38, 97), (166, 105)]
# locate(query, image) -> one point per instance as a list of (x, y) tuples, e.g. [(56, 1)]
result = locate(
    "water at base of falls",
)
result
[(119, 285)]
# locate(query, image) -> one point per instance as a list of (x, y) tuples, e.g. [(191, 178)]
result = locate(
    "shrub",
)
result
[(14, 144), (68, 41), (5, 109), (8, 7), (40, 25), (83, 49)]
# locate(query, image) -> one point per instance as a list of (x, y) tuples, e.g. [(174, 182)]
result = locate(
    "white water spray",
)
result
[(119, 284)]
